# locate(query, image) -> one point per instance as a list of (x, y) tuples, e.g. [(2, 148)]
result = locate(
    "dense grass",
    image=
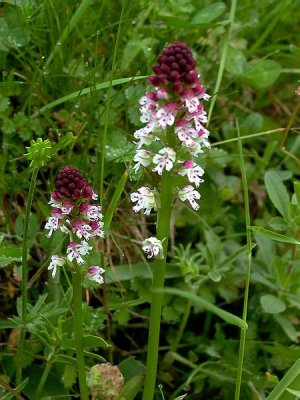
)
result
[(73, 73)]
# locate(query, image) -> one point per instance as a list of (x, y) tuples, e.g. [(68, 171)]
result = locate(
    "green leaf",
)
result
[(132, 387), (9, 253), (91, 341), (273, 235), (200, 301), (69, 376), (285, 382), (287, 327), (277, 193), (294, 392), (261, 73), (278, 224), (88, 90), (209, 13), (272, 304)]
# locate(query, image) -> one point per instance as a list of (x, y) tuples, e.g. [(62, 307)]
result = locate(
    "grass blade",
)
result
[(200, 301), (285, 382)]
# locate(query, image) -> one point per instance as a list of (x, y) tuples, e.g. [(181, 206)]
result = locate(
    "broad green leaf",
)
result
[(273, 235), (132, 387), (287, 327), (278, 224), (200, 301), (9, 253), (272, 304), (209, 13), (236, 62), (277, 193), (261, 73), (130, 368), (69, 376)]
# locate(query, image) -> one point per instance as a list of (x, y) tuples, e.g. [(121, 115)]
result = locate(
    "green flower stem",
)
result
[(248, 270), (78, 330), (24, 284), (163, 229)]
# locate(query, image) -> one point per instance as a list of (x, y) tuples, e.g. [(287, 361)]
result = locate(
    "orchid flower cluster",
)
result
[(175, 105), (73, 214)]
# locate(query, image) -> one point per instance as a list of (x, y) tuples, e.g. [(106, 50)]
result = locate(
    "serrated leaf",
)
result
[(273, 235), (272, 304), (261, 73), (69, 376), (9, 253), (277, 193), (209, 13)]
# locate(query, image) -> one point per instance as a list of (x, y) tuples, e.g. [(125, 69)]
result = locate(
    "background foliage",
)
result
[(68, 76)]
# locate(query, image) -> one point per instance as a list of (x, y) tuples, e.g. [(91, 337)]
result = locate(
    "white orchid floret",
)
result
[(164, 159), (203, 135), (193, 172), (142, 158), (82, 230), (52, 225), (189, 193), (153, 247), (148, 108), (145, 199), (166, 115), (94, 273), (145, 136), (56, 261), (76, 250), (90, 211)]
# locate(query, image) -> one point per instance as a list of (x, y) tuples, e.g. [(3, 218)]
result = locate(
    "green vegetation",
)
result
[(72, 76)]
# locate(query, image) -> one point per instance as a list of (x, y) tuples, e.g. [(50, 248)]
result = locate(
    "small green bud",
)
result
[(39, 152), (105, 382)]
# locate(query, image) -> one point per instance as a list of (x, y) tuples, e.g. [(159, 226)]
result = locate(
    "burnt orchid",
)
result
[(75, 214), (168, 145), (175, 117)]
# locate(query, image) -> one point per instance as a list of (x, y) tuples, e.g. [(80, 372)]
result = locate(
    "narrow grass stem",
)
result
[(223, 59), (103, 137), (24, 284), (163, 230), (182, 326), (247, 283), (78, 331), (43, 380)]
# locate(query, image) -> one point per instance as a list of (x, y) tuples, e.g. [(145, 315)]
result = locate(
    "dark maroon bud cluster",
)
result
[(175, 67), (70, 183)]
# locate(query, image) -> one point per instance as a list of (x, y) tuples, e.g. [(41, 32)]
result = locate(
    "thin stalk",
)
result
[(108, 101), (78, 331), (43, 380), (223, 59), (182, 326), (163, 230), (247, 283), (24, 284)]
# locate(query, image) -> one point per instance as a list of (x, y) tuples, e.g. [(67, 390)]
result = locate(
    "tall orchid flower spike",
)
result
[(76, 215), (174, 118)]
